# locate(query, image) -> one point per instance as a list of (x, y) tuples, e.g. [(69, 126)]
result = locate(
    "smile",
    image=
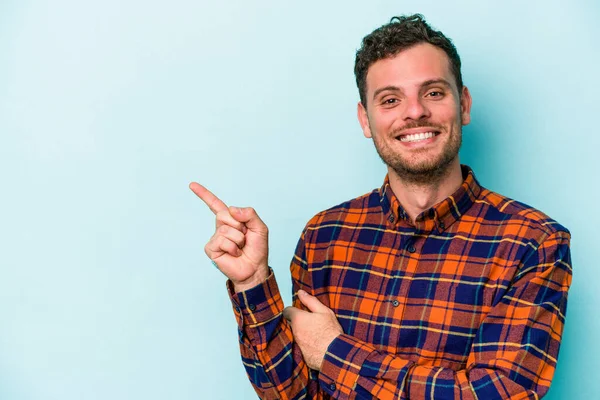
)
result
[(415, 137)]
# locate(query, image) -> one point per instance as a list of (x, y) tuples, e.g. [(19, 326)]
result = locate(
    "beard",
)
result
[(418, 168)]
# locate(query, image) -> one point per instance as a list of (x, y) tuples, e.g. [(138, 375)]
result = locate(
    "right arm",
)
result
[(239, 249), (272, 360)]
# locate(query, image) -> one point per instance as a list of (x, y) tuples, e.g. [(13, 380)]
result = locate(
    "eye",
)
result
[(390, 101), (435, 94)]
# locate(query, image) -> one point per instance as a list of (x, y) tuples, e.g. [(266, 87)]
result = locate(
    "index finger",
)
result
[(213, 202)]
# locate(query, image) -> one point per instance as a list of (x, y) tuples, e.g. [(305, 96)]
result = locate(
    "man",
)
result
[(429, 287)]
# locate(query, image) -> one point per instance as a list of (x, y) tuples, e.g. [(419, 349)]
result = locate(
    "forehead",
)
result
[(410, 68)]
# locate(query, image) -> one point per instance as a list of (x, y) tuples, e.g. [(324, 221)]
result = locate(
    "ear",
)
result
[(465, 105), (363, 119)]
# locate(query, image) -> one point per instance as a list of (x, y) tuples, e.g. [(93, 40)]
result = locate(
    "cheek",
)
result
[(387, 122), (450, 113)]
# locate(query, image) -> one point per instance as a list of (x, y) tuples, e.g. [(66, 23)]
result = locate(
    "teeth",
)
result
[(417, 136)]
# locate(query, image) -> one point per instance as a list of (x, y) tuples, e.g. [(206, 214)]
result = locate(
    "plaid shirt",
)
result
[(467, 302)]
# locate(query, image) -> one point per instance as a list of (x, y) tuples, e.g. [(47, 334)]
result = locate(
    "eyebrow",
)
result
[(440, 81), (383, 89), (426, 83)]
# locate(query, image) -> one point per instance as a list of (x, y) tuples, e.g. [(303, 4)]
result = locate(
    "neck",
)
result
[(417, 197)]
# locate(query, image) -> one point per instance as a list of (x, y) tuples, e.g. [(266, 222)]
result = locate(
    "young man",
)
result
[(428, 287)]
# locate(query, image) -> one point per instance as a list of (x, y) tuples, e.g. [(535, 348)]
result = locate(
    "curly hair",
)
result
[(400, 34)]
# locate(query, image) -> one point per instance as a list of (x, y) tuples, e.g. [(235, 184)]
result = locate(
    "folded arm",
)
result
[(272, 359), (513, 355)]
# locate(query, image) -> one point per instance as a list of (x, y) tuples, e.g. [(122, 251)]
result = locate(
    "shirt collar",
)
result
[(442, 215)]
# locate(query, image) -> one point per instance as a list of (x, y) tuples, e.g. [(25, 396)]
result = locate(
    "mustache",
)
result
[(416, 124)]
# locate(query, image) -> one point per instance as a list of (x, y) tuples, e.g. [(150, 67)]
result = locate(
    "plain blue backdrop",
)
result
[(108, 109)]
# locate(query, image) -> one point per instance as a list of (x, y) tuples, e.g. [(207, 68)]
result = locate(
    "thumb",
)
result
[(249, 217), (312, 303), (290, 312)]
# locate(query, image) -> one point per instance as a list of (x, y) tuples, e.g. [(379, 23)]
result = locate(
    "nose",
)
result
[(415, 109)]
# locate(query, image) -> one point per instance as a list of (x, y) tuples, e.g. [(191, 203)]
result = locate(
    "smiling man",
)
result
[(430, 286)]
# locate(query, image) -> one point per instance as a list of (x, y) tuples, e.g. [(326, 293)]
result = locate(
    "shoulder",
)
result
[(350, 212), (519, 215)]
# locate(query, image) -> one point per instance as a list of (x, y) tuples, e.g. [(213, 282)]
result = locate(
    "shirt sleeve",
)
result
[(273, 362), (513, 355)]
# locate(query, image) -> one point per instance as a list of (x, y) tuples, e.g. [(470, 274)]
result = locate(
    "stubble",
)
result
[(418, 168)]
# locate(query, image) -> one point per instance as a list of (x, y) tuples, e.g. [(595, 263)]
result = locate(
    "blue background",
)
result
[(108, 109)]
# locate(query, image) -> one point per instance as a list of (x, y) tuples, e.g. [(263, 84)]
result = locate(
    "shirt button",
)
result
[(252, 307), (442, 226), (395, 303), (411, 248), (332, 387), (237, 308), (391, 218)]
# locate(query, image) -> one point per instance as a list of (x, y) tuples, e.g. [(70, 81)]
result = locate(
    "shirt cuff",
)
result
[(256, 306), (342, 364)]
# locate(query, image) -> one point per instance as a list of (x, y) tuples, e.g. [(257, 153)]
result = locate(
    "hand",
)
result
[(239, 246), (313, 331)]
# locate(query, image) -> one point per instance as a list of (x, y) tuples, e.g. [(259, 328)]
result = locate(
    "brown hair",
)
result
[(400, 34)]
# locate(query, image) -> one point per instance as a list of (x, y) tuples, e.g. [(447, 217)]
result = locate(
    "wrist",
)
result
[(259, 277)]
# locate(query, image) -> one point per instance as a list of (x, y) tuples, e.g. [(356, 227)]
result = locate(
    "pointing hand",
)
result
[(239, 246)]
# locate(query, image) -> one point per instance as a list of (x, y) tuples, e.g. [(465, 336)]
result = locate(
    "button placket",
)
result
[(408, 252), (410, 245), (396, 286)]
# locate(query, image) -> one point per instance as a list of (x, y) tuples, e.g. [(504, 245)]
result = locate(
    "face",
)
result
[(415, 113)]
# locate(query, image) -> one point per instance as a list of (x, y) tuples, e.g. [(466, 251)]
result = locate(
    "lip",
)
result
[(418, 130)]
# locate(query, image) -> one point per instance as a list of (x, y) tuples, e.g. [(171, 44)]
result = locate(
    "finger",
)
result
[(249, 216), (219, 245), (213, 202), (224, 218), (290, 313), (232, 234), (312, 303)]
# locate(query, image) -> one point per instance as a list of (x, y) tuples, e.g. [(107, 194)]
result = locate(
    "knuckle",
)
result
[(230, 246), (223, 216)]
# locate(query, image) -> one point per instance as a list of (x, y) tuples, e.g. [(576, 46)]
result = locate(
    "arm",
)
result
[(239, 249), (512, 357), (273, 362)]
